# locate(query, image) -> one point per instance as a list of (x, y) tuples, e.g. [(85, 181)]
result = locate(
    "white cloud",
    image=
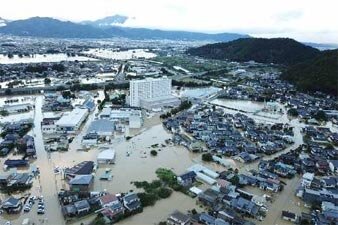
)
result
[(305, 20)]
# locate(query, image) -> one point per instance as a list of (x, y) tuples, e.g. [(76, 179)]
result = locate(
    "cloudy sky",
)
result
[(304, 20)]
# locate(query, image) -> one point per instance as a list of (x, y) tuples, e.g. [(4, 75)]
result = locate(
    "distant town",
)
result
[(121, 131)]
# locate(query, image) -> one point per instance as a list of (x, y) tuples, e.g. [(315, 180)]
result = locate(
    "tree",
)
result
[(4, 113), (36, 68), (153, 152), (147, 199), (320, 116), (235, 180), (67, 94), (99, 221), (59, 67), (47, 81), (304, 222), (293, 112), (183, 106), (207, 157), (120, 100), (8, 91), (194, 211), (164, 192), (166, 176), (128, 138)]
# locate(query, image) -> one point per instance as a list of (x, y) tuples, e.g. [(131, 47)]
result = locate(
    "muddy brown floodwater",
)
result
[(139, 165)]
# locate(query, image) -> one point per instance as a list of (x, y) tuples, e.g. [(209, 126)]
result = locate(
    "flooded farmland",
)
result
[(243, 105), (39, 58), (121, 55)]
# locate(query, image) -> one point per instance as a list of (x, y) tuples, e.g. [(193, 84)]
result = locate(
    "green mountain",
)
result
[(318, 74), (275, 50), (306, 67)]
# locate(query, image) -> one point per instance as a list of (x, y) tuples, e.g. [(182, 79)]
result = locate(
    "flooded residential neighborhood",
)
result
[(137, 119)]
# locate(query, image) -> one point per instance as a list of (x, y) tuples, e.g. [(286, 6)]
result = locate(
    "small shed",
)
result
[(196, 191), (106, 156)]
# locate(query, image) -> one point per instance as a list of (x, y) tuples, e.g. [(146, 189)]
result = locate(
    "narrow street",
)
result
[(47, 179)]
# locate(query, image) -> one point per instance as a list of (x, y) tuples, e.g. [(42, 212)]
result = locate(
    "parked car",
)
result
[(41, 211)]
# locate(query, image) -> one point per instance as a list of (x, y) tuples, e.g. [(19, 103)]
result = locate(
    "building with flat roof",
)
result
[(106, 156), (102, 127), (71, 122), (18, 108), (124, 115), (160, 102), (151, 93)]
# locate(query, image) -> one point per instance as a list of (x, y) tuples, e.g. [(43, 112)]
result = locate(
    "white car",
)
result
[(27, 208), (41, 211)]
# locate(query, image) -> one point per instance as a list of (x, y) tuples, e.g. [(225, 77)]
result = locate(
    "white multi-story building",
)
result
[(150, 93)]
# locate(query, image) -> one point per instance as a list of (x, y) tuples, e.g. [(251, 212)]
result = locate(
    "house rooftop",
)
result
[(81, 180), (106, 199), (85, 167), (179, 217), (101, 125), (83, 204)]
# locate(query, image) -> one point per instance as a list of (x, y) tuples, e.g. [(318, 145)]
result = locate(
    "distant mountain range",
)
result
[(306, 67), (53, 28), (3, 22), (322, 46), (275, 50), (47, 27), (107, 21)]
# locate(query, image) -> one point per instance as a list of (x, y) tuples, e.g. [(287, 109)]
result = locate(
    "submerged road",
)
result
[(48, 182)]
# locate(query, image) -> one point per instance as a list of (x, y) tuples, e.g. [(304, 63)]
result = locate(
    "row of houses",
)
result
[(15, 136), (224, 197), (56, 102), (179, 218), (307, 158), (320, 135), (12, 180), (81, 200), (322, 195), (111, 206), (319, 183), (305, 105), (229, 134)]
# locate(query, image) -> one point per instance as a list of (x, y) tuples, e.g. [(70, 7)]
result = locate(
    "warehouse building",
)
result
[(18, 108), (124, 115), (71, 122), (102, 127)]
